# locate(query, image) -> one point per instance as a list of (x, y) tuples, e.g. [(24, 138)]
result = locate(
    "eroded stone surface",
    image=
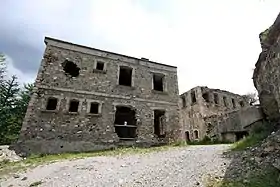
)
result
[(267, 71)]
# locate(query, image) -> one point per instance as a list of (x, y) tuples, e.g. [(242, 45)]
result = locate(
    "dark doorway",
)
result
[(125, 123), (240, 135), (159, 123), (187, 133), (158, 82), (125, 76)]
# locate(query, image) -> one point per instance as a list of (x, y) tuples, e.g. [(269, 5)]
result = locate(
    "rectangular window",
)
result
[(52, 103), (159, 123), (125, 76), (100, 65), (241, 104), (184, 101), (158, 82), (233, 103), (225, 101), (94, 108), (216, 98), (193, 97), (206, 97), (74, 106)]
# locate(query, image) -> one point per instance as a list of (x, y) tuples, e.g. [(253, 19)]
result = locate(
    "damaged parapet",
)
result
[(201, 105), (88, 99)]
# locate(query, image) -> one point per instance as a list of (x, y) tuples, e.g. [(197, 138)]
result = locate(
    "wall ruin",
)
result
[(202, 106), (87, 99)]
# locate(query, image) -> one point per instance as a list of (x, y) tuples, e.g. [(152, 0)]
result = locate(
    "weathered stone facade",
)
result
[(202, 109), (266, 74), (88, 99)]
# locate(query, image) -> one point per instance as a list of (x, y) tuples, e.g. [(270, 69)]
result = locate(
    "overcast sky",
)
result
[(213, 43)]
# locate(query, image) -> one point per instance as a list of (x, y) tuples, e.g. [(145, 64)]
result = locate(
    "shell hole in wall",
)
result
[(70, 68)]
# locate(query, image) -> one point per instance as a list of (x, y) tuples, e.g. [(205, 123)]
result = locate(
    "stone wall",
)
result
[(228, 126), (266, 74), (59, 130), (200, 103)]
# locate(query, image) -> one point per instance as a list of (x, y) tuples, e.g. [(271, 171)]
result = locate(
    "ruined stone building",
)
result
[(202, 109), (88, 99)]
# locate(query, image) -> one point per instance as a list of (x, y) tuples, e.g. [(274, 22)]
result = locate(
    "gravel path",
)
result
[(182, 166)]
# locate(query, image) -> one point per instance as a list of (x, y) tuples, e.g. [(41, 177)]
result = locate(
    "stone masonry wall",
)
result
[(209, 102), (57, 131)]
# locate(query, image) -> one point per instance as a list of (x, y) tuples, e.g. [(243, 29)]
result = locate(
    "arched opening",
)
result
[(125, 123), (196, 136), (187, 134)]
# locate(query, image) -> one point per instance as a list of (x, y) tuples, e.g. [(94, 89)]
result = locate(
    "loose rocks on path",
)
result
[(180, 167)]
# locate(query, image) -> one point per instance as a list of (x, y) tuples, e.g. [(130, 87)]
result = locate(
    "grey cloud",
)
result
[(23, 29)]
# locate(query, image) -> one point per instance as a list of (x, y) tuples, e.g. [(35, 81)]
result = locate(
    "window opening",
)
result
[(233, 103), (196, 134), (94, 108), (225, 101), (74, 105), (206, 97), (216, 98), (158, 82), (159, 123), (193, 97), (184, 101), (100, 65), (51, 104), (125, 76), (187, 133), (241, 104)]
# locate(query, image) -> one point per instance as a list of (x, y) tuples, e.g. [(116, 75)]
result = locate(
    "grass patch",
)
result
[(270, 178), (35, 160), (249, 141), (258, 133)]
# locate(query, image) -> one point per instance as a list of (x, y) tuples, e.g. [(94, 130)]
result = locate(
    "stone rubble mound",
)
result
[(8, 155)]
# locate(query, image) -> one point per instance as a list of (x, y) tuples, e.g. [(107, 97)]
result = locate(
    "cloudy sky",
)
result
[(213, 43)]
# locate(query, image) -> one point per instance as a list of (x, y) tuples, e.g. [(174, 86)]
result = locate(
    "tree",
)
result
[(2, 67), (251, 97), (13, 105)]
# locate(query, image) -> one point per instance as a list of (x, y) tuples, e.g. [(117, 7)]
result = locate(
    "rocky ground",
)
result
[(6, 154), (181, 166)]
